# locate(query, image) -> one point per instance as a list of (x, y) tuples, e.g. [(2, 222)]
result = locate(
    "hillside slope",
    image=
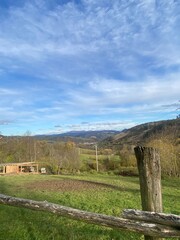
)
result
[(140, 134)]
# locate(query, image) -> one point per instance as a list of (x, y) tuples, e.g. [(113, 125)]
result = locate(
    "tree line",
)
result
[(56, 155), (66, 156)]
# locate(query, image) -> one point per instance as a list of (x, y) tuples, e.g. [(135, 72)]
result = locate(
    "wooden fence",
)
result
[(158, 228), (149, 222)]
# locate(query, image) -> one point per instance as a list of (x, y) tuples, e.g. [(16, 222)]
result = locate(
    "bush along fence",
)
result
[(150, 222)]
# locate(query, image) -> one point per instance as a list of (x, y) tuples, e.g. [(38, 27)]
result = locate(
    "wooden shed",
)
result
[(16, 168)]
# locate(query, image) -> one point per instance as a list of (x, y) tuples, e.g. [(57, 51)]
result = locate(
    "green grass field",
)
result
[(115, 194)]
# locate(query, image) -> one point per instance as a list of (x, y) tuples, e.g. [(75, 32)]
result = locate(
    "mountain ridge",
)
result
[(96, 135), (140, 134)]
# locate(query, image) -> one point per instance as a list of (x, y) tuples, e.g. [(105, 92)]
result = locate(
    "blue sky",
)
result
[(87, 64)]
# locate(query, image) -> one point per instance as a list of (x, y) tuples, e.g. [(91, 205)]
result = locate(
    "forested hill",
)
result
[(79, 136), (143, 133)]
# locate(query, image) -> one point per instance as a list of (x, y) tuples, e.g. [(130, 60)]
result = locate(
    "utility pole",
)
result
[(97, 165), (35, 151)]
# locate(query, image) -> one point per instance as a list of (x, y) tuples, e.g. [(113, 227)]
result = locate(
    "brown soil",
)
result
[(67, 185)]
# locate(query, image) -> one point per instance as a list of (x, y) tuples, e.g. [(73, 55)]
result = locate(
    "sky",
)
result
[(68, 65)]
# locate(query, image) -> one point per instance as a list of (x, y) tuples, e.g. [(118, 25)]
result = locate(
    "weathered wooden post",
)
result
[(149, 167)]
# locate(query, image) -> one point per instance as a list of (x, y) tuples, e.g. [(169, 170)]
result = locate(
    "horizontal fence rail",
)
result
[(161, 218), (150, 229)]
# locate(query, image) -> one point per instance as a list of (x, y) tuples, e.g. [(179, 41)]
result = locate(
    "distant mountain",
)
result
[(90, 134), (79, 136), (140, 134)]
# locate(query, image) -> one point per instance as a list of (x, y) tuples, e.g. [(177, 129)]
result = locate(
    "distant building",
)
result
[(17, 168)]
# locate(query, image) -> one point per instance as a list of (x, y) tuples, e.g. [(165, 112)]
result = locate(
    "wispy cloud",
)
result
[(132, 30), (81, 61), (7, 92), (5, 122)]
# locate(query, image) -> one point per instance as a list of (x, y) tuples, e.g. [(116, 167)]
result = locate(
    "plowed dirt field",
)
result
[(68, 185)]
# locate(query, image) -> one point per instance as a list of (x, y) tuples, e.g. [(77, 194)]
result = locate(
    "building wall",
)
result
[(12, 169)]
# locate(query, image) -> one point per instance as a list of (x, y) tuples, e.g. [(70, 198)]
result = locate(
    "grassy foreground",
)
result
[(119, 193)]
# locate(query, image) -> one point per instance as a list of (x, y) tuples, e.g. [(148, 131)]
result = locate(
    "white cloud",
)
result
[(94, 126), (91, 58), (151, 90), (129, 29), (8, 92)]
